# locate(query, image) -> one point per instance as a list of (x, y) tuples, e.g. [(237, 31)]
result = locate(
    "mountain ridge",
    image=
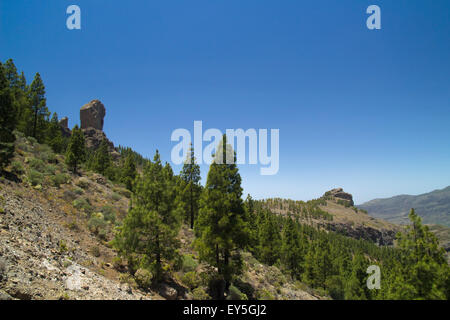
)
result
[(433, 207)]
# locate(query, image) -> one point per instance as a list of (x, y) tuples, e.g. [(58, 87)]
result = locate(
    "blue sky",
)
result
[(365, 110)]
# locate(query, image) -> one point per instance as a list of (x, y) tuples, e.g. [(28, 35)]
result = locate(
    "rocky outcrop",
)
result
[(64, 125), (340, 194), (380, 237), (92, 115)]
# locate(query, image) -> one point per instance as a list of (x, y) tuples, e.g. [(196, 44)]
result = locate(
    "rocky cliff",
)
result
[(92, 117)]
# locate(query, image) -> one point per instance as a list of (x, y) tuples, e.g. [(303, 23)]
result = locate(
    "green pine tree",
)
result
[(292, 256), (38, 107), (356, 287), (76, 150), (220, 225), (102, 159), (7, 120), (54, 137), (148, 235), (422, 271), (129, 171), (190, 188), (269, 238)]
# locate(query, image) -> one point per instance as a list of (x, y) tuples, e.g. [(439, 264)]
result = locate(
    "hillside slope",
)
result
[(433, 207), (55, 233), (338, 215)]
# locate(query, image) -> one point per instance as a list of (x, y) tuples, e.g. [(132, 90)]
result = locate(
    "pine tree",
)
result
[(129, 171), (269, 238), (7, 120), (148, 235), (11, 74), (220, 225), (422, 271), (190, 188), (54, 137), (102, 159), (38, 106), (291, 249), (76, 150), (252, 220), (356, 287)]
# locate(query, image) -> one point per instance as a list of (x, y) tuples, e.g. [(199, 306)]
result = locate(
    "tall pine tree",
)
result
[(102, 159), (7, 120), (38, 106), (220, 225), (76, 150), (190, 188), (422, 271), (129, 171), (148, 235)]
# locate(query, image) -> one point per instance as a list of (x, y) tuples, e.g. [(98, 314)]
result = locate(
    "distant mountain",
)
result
[(433, 207)]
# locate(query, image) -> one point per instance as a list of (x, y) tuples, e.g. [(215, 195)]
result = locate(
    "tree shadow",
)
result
[(10, 176)]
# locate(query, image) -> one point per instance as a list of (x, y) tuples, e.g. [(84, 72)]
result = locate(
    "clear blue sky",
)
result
[(365, 110)]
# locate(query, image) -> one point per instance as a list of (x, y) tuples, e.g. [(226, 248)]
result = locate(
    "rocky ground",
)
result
[(41, 259)]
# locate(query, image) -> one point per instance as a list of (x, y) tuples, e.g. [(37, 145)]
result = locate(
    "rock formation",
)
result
[(92, 115), (64, 124), (340, 194), (91, 118)]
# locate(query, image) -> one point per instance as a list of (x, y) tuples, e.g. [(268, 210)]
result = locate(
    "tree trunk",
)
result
[(192, 210), (35, 123)]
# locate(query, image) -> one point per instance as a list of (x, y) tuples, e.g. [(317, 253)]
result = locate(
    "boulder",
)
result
[(5, 296), (168, 292), (92, 115)]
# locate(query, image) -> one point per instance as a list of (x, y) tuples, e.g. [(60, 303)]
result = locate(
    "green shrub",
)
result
[(83, 183), (50, 169), (118, 263), (46, 154), (143, 278), (83, 204), (37, 164), (109, 214), (191, 279), (78, 191), (200, 294), (97, 223), (123, 192), (60, 179), (265, 294), (35, 177), (245, 288), (18, 134), (189, 264), (115, 197), (23, 146), (95, 251), (236, 294), (63, 246), (67, 263), (32, 140), (17, 168), (73, 226)]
